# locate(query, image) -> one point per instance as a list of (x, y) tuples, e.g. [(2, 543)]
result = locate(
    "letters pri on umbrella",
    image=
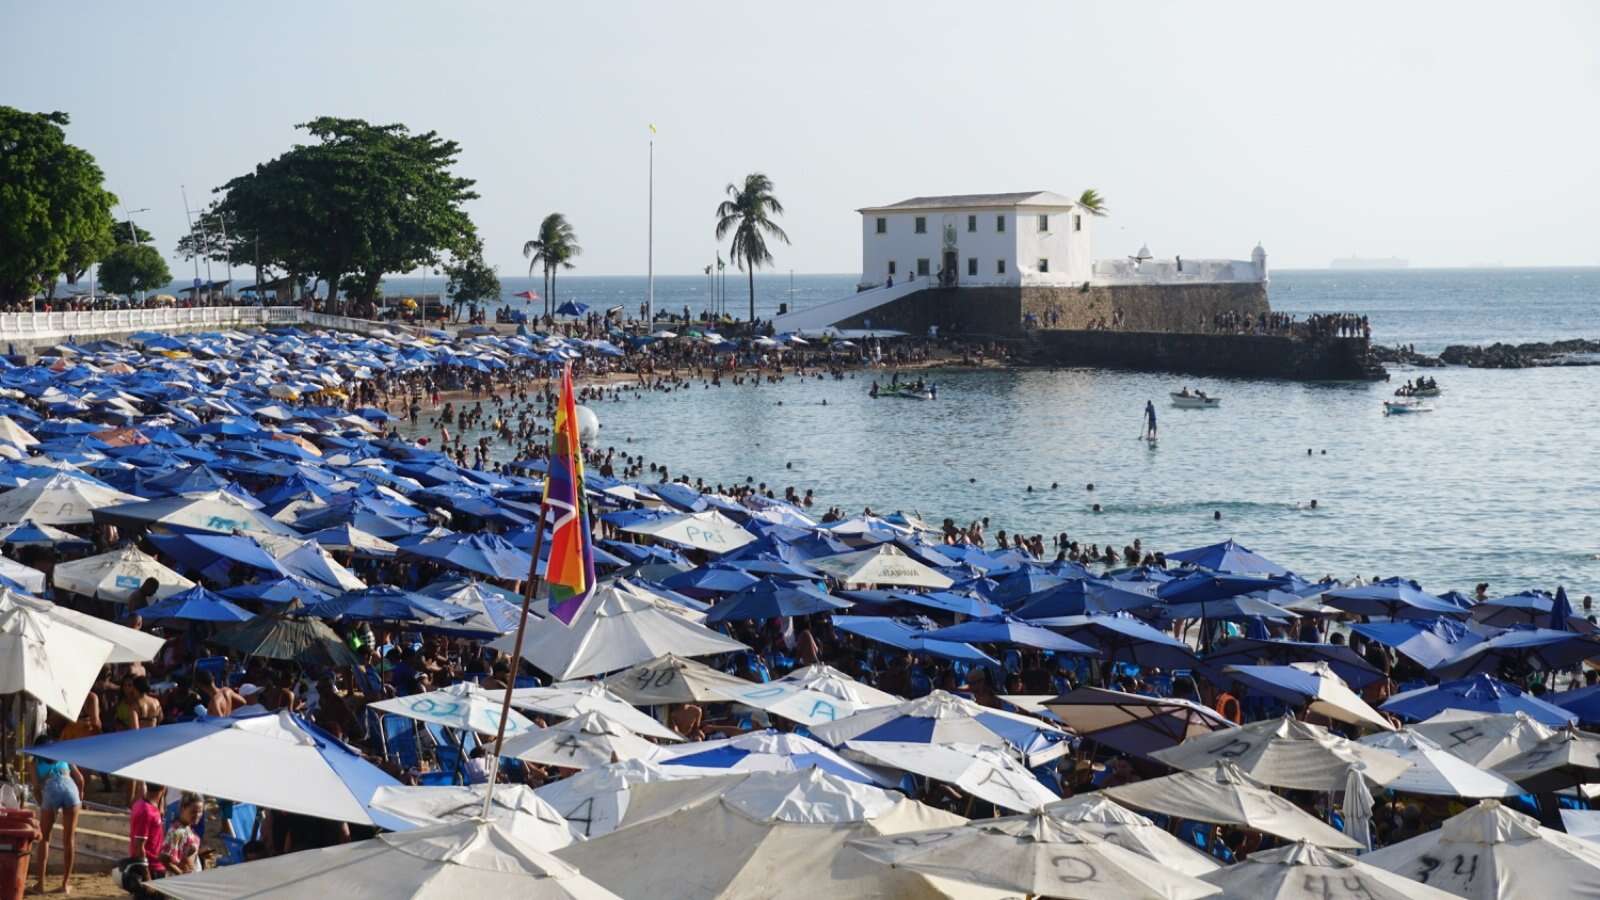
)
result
[(570, 572)]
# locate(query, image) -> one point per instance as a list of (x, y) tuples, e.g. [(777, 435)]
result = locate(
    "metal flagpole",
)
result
[(516, 663), (650, 240)]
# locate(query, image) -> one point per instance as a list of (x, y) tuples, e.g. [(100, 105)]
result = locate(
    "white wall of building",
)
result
[(975, 236)]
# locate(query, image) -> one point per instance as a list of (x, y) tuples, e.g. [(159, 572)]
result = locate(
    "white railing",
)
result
[(834, 311), (361, 326), (112, 321)]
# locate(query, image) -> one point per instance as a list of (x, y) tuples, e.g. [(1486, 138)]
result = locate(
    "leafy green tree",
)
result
[(362, 200), (748, 214), (1092, 202), (134, 267), (553, 249), (471, 280), (55, 212), (124, 232)]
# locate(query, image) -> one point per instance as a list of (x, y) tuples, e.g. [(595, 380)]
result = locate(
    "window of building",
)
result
[(891, 267), (883, 225), (1000, 267), (999, 223), (1077, 222), (972, 224), (1044, 265), (922, 266), (922, 225), (1044, 223), (972, 265)]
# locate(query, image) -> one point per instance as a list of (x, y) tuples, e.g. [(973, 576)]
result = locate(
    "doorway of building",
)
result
[(947, 272)]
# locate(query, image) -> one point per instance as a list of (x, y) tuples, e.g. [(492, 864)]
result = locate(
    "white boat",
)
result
[(1194, 401), (1419, 392), (1404, 407)]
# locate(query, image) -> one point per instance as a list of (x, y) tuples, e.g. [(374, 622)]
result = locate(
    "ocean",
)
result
[(1501, 484)]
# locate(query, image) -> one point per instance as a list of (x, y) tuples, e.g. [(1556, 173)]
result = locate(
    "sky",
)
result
[(1446, 133)]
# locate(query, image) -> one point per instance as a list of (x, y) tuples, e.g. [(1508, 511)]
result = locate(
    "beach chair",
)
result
[(400, 742), (435, 779)]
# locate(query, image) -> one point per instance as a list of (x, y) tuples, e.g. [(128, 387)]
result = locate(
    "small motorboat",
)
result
[(1405, 407), (1192, 400), (908, 392), (1430, 391)]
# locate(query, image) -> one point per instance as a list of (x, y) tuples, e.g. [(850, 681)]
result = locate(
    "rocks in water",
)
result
[(1522, 356), (1576, 352)]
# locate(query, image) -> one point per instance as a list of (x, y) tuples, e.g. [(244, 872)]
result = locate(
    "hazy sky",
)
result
[(1450, 133)]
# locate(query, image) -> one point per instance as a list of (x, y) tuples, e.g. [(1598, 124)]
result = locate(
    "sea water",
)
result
[(1500, 484)]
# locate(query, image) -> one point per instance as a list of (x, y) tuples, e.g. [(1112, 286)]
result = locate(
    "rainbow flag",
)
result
[(570, 571)]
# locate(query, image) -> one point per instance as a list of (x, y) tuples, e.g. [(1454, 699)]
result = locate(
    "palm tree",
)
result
[(1092, 202), (748, 215), (553, 249)]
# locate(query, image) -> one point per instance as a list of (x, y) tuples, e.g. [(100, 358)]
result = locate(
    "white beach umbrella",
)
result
[(454, 860), (115, 576), (1134, 723), (1437, 773), (568, 699), (31, 579), (1110, 821), (707, 530), (515, 808), (945, 718), (1034, 854), (883, 564), (614, 630), (1226, 796), (127, 645), (1305, 871), (986, 772), (58, 500), (1582, 823), (765, 751), (1288, 753), (1502, 855), (211, 512), (1483, 739), (1315, 685), (16, 434), (584, 741), (48, 659), (313, 561), (594, 801), (674, 679), (769, 836), (1566, 759), (462, 706), (812, 695)]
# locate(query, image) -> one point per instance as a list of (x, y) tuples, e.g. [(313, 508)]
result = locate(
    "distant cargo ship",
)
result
[(1362, 262)]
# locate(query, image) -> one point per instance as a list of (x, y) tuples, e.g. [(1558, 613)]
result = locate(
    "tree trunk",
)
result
[(750, 270), (546, 297), (332, 304)]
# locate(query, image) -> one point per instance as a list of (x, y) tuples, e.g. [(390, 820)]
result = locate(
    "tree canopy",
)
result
[(552, 250), (1092, 202), (55, 213), (748, 213), (471, 279), (360, 201), (134, 267)]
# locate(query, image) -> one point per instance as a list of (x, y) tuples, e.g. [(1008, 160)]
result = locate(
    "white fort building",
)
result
[(1031, 245)]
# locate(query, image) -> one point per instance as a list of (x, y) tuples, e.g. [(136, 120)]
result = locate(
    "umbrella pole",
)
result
[(516, 662)]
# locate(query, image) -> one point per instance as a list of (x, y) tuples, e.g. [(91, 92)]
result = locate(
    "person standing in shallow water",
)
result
[(1149, 420)]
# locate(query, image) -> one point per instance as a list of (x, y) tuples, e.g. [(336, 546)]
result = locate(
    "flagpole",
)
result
[(516, 662), (650, 240)]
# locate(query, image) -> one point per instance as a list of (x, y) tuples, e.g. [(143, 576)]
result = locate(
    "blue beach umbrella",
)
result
[(949, 601), (1426, 643), (1204, 587), (1082, 596), (1584, 703), (1228, 609), (195, 605), (1006, 630), (571, 308), (771, 599), (388, 604), (909, 634), (1229, 557), (709, 581), (215, 554), (28, 534), (1526, 608), (280, 590), (1540, 649), (1018, 587), (1395, 599), (486, 554), (1122, 638), (1479, 693)]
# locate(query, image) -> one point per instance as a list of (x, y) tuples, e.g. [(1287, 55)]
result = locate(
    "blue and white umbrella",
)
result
[(765, 751), (944, 718)]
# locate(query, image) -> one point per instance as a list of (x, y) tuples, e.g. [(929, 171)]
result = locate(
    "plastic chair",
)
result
[(400, 741), (435, 779)]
